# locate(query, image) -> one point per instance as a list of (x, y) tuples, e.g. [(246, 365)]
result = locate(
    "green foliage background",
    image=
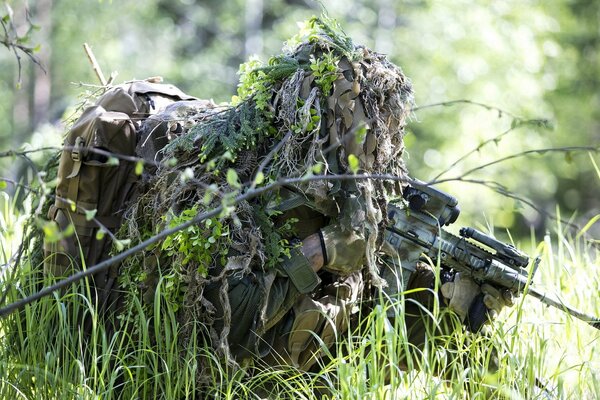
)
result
[(532, 58)]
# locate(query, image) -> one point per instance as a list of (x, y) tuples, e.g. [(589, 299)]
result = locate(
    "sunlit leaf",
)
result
[(100, 234), (139, 167), (232, 179), (121, 244), (353, 163), (90, 214), (259, 178)]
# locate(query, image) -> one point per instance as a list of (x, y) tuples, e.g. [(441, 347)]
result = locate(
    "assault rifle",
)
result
[(416, 229)]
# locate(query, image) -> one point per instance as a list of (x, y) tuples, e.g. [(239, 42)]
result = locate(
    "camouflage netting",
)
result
[(324, 104)]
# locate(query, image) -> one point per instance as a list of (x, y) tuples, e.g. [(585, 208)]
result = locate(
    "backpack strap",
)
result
[(77, 154)]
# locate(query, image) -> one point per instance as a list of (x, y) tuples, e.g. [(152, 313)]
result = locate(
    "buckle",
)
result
[(77, 149)]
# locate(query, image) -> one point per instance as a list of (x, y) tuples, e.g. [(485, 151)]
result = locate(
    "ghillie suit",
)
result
[(324, 107)]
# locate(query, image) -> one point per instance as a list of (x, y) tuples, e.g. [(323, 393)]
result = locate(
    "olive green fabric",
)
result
[(300, 271), (90, 182), (282, 316), (345, 249), (96, 178)]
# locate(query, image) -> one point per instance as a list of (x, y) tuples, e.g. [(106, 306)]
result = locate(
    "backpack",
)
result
[(92, 187)]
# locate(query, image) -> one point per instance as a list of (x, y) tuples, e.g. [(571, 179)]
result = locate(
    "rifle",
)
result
[(417, 229)]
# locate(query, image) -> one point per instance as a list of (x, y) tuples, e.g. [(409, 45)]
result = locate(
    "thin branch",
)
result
[(94, 150), (13, 42), (517, 155), (475, 150), (496, 139), (95, 65), (501, 112), (270, 157), (502, 190), (251, 193)]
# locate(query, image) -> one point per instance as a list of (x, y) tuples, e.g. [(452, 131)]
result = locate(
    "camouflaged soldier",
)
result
[(293, 316), (347, 119)]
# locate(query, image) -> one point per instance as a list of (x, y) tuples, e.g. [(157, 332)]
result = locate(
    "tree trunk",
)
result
[(42, 79)]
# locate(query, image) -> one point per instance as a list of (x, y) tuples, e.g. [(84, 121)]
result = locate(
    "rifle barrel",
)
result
[(561, 305)]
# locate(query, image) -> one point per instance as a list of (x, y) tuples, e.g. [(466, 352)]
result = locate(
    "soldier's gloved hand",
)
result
[(461, 293), (496, 299), (344, 250)]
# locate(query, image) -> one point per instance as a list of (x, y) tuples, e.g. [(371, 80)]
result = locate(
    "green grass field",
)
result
[(542, 352)]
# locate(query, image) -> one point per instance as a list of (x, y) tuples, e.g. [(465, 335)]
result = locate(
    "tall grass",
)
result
[(530, 351)]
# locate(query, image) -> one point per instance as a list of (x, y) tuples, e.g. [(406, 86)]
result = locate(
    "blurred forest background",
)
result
[(533, 59)]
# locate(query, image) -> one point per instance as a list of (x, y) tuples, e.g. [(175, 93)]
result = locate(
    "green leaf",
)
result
[(112, 162), (232, 179), (353, 163), (361, 134), (3, 185), (100, 234), (139, 167), (228, 156), (569, 157), (121, 244), (317, 168), (186, 174), (51, 232), (90, 214), (259, 178)]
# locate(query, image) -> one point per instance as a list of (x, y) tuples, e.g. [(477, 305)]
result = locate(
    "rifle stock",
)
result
[(417, 227)]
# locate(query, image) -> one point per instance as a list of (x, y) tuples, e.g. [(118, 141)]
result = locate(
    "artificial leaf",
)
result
[(232, 179), (121, 244), (139, 167), (353, 163), (259, 178), (90, 214), (100, 234)]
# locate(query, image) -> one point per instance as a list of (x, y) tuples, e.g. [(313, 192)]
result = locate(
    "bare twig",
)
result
[(501, 112), (502, 190), (516, 124), (270, 157), (251, 193), (15, 43), (95, 65), (526, 153)]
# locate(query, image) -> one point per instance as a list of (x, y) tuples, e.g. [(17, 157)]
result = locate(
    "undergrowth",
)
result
[(536, 352)]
